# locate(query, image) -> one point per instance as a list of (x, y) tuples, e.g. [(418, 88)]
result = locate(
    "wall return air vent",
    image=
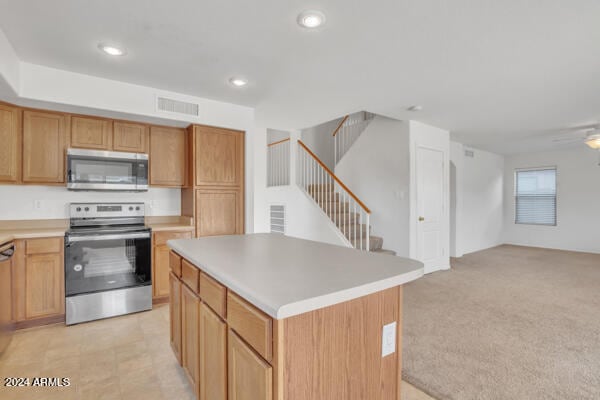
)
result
[(277, 212), (165, 104)]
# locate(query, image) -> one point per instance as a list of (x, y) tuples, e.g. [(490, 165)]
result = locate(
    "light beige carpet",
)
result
[(510, 322)]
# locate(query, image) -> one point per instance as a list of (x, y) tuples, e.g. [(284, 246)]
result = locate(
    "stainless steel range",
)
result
[(107, 261)]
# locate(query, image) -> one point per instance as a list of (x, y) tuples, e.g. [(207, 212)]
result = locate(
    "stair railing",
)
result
[(278, 163), (348, 130), (344, 208)]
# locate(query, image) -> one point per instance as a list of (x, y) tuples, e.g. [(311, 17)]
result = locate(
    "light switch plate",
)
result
[(388, 339)]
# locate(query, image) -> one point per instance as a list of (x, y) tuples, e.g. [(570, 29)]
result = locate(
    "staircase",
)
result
[(348, 130), (346, 211)]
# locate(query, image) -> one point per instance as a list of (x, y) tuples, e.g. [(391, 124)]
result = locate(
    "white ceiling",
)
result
[(490, 71)]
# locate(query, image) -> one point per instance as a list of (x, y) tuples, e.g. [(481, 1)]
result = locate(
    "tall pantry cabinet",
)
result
[(215, 192)]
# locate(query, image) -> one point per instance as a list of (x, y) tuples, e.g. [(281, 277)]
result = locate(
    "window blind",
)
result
[(535, 196)]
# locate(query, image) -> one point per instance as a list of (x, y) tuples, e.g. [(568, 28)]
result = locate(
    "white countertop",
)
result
[(285, 276)]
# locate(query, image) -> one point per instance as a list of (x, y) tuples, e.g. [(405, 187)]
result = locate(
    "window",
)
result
[(535, 196)]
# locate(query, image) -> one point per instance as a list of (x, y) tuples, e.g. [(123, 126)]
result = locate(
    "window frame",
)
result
[(515, 194)]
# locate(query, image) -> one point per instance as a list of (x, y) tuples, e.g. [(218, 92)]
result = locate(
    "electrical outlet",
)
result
[(388, 339), (38, 204)]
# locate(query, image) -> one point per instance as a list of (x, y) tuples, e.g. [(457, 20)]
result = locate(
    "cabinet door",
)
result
[(168, 158), (190, 319), (213, 356), (250, 377), (130, 137), (6, 301), (160, 273), (175, 315), (219, 212), (10, 138), (91, 133), (219, 156), (44, 285), (44, 146)]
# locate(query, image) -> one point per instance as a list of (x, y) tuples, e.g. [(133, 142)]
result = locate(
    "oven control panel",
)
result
[(106, 210)]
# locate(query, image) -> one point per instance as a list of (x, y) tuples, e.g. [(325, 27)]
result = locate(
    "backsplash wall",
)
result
[(49, 202)]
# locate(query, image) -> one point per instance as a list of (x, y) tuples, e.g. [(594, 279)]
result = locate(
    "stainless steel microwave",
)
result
[(106, 170)]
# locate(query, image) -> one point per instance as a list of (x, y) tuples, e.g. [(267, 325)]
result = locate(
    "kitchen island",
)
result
[(265, 316)]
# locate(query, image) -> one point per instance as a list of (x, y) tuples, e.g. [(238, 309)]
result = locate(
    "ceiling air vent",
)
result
[(469, 153), (176, 106), (277, 218)]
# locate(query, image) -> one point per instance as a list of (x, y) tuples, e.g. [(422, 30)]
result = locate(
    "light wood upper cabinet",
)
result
[(175, 315), (219, 212), (213, 356), (44, 146), (168, 156), (219, 156), (91, 133), (190, 324), (250, 377), (130, 137), (10, 139)]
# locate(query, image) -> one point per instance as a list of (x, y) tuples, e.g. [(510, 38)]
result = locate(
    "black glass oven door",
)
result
[(106, 262)]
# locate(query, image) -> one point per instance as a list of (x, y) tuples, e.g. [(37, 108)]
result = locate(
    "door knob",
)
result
[(421, 219)]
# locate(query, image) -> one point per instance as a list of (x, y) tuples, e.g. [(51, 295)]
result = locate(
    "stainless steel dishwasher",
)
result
[(7, 325)]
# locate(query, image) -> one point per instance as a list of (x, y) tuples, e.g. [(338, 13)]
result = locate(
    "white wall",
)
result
[(476, 200), (19, 201), (9, 67), (578, 199), (304, 219), (320, 141), (376, 169)]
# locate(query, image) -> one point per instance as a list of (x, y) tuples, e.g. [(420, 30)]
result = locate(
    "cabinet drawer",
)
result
[(254, 326), (213, 293), (42, 246), (162, 237), (175, 263), (189, 275)]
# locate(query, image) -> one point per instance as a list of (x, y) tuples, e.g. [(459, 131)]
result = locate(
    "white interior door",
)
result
[(430, 208)]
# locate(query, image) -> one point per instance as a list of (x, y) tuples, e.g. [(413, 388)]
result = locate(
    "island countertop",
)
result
[(285, 276)]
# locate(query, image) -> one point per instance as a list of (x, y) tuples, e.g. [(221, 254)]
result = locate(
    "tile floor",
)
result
[(127, 357)]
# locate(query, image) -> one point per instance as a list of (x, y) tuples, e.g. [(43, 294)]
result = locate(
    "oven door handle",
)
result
[(117, 236)]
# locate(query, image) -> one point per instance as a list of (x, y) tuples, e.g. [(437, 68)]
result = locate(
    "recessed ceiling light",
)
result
[(414, 108), (311, 19), (111, 50), (238, 82)]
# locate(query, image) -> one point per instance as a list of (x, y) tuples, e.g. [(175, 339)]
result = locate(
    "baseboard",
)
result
[(429, 270), (32, 323), (160, 300), (588, 251)]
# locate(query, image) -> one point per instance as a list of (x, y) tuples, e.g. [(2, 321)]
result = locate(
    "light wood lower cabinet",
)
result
[(160, 262), (190, 323), (250, 377), (213, 356), (333, 352), (39, 279), (175, 315)]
